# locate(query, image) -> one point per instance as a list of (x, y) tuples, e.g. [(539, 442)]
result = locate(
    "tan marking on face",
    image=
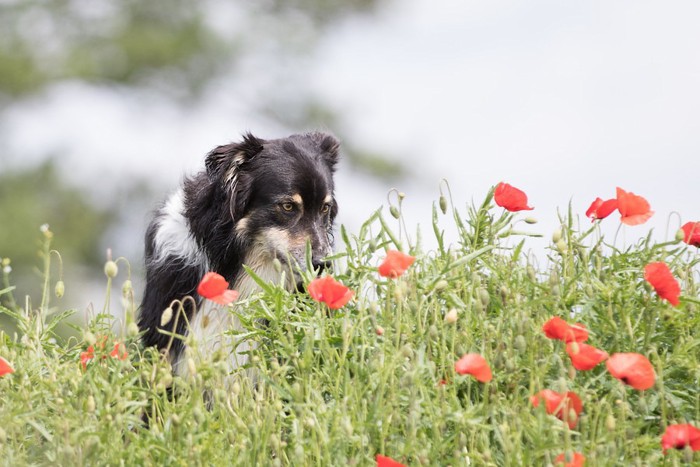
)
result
[(328, 199), (242, 225), (296, 197)]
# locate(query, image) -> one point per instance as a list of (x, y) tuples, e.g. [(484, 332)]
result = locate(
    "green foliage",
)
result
[(337, 387)]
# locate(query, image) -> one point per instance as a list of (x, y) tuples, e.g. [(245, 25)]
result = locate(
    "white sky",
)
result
[(565, 100)]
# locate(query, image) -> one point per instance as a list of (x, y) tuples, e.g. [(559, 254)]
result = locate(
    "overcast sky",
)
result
[(565, 100)]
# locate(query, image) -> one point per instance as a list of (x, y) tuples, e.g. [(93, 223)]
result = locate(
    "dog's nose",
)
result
[(320, 265)]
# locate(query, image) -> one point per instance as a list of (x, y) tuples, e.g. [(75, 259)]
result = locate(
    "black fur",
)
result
[(242, 194)]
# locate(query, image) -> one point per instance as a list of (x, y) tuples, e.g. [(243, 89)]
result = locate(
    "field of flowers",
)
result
[(471, 353)]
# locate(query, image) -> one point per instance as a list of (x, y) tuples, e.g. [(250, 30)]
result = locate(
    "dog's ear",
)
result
[(224, 161), (330, 148), (226, 165)]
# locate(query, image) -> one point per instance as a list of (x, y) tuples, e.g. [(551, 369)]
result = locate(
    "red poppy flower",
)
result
[(557, 328), (566, 407), (215, 288), (475, 365), (395, 264), (578, 460), (680, 436), (600, 209), (383, 461), (633, 369), (87, 356), (510, 198), (691, 233), (329, 291), (661, 278), (119, 351), (585, 357), (5, 367), (634, 209)]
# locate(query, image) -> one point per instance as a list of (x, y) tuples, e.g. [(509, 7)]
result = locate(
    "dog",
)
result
[(259, 203)]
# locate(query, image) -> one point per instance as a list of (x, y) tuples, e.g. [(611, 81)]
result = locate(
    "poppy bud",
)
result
[(60, 289), (530, 220), (127, 288), (90, 404), (610, 422), (175, 419), (484, 296), (451, 316), (379, 331), (191, 367), (680, 235), (236, 388), (531, 273), (556, 236), (562, 247), (166, 316), (520, 344), (443, 204), (132, 329), (111, 269), (394, 211), (441, 285), (90, 338), (277, 265)]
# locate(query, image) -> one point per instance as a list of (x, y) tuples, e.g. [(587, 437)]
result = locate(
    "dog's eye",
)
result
[(325, 208), (289, 207)]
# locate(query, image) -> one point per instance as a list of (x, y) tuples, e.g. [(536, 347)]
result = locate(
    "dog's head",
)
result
[(281, 195)]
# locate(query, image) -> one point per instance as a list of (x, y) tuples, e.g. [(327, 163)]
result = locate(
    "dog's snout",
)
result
[(321, 265)]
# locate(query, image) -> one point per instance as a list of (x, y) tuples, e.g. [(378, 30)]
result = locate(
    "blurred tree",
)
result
[(157, 43)]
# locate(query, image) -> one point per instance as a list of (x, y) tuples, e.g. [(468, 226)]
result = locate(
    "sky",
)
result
[(565, 100)]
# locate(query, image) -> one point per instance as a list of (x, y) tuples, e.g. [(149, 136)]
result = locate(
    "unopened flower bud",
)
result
[(442, 284), (451, 316), (443, 204), (127, 288), (90, 404), (562, 247), (111, 269), (394, 211), (379, 331), (166, 316), (132, 329), (556, 235), (191, 367), (610, 422), (484, 296), (90, 338), (277, 264), (530, 220), (680, 235), (60, 289)]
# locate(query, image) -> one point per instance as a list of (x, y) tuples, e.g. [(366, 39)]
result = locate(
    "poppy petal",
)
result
[(566, 407), (600, 209), (661, 278), (383, 461), (679, 436), (395, 264), (5, 367), (578, 460), (634, 209), (633, 369), (585, 357), (215, 288), (475, 365), (557, 328), (510, 198), (329, 291), (691, 233)]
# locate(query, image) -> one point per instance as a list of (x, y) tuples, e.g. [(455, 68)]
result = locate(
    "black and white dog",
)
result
[(257, 201)]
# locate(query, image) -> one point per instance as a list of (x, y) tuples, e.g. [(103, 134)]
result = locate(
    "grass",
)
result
[(331, 391)]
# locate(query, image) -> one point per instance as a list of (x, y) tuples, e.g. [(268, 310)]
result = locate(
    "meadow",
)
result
[(377, 375)]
